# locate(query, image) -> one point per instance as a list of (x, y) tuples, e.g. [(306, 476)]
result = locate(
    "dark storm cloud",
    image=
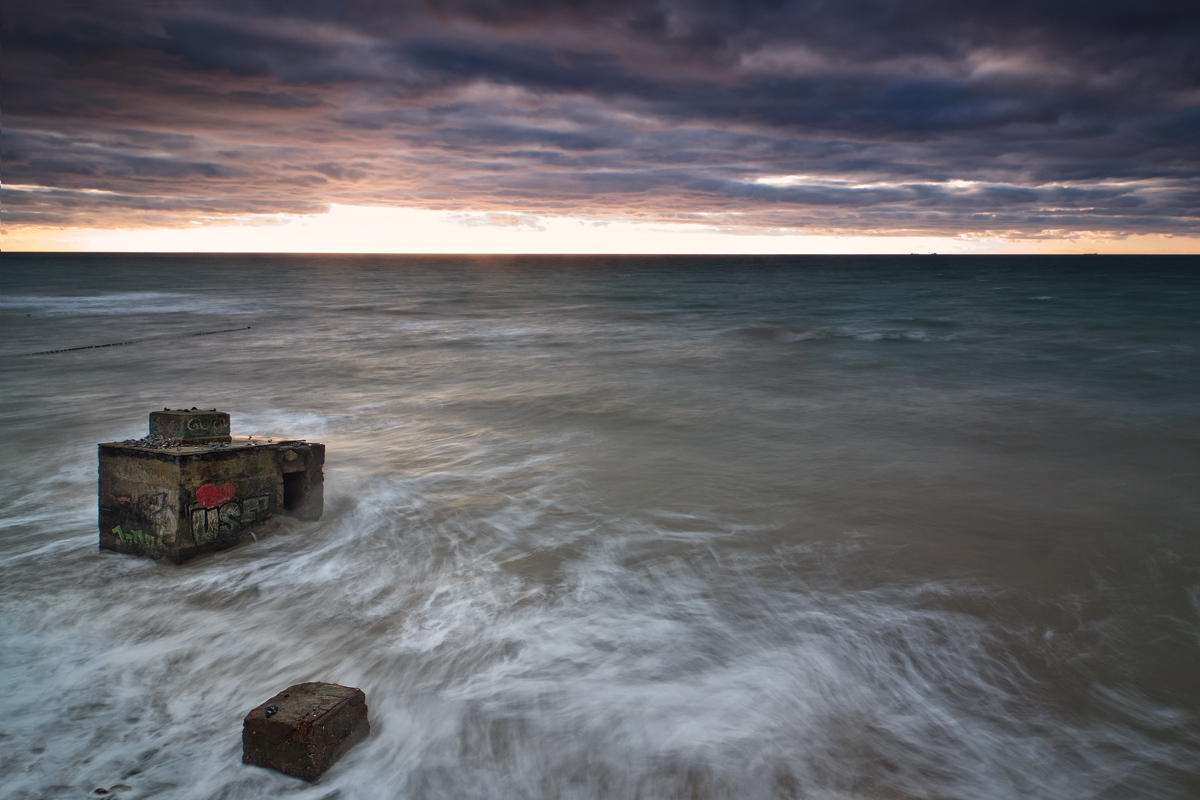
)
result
[(927, 115)]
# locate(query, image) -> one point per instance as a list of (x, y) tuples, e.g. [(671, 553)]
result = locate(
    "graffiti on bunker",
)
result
[(219, 512)]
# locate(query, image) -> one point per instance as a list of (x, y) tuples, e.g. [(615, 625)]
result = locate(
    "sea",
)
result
[(889, 527)]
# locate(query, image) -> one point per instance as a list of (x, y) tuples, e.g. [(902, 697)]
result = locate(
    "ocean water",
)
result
[(623, 527)]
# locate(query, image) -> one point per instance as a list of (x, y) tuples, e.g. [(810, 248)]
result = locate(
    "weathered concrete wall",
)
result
[(190, 425), (226, 492), (176, 501), (303, 468), (139, 502)]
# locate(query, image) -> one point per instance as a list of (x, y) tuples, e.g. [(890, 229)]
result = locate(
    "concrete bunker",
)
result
[(190, 487)]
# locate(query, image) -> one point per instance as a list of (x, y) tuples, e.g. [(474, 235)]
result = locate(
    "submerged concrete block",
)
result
[(304, 729), (164, 498)]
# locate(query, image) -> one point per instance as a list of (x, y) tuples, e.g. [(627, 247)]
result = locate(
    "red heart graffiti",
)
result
[(209, 496)]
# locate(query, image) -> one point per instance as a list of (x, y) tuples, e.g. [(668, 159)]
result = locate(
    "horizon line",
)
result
[(585, 255)]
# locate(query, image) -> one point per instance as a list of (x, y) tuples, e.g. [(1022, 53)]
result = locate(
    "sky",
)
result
[(540, 126)]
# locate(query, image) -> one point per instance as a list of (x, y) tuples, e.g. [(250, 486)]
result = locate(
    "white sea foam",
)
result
[(126, 303), (644, 553)]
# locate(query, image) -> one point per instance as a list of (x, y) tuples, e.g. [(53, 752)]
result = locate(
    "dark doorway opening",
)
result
[(293, 490)]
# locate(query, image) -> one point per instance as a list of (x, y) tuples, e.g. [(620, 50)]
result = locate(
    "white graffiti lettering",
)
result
[(217, 522)]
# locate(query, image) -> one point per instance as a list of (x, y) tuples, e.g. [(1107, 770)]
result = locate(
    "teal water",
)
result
[(624, 527)]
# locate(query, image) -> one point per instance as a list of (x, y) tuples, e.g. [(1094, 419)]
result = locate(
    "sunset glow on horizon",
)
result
[(364, 229), (684, 126)]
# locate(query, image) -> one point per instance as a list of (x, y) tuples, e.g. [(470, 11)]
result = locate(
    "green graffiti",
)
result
[(138, 540)]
